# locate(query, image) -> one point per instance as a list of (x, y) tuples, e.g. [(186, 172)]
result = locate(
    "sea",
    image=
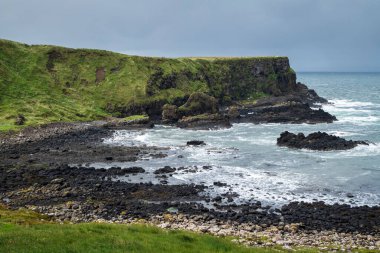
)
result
[(247, 159)]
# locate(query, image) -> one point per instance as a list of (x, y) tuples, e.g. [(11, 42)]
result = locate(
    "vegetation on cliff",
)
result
[(43, 84)]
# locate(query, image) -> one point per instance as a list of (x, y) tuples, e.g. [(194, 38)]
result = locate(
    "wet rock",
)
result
[(217, 199), (57, 181), (287, 112), (316, 141), (158, 155), (134, 170), (195, 143), (131, 123), (165, 170), (220, 184), (205, 121)]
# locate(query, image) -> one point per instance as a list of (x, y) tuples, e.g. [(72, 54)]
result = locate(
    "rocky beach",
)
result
[(38, 172)]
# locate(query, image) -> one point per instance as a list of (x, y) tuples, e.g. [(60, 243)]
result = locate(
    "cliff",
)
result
[(48, 83)]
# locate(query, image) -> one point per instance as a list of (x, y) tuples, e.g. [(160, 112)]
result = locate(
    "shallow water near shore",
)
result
[(247, 158)]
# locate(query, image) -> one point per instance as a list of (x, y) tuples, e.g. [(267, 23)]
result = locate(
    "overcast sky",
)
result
[(317, 35)]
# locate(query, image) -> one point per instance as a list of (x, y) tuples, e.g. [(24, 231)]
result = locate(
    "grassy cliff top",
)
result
[(46, 84)]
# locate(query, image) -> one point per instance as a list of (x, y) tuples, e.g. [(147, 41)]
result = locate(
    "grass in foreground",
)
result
[(26, 231)]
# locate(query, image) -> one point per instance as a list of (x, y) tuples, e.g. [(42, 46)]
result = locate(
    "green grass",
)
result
[(52, 84), (135, 117), (108, 238), (27, 231)]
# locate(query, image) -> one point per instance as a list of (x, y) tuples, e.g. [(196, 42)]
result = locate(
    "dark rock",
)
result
[(134, 123), (316, 141), (275, 111), (164, 170), (195, 143), (220, 184), (170, 113), (233, 112), (20, 120), (133, 170), (159, 155), (14, 156), (109, 158), (217, 199), (204, 121)]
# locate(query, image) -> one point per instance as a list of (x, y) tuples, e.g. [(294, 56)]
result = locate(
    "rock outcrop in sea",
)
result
[(316, 141)]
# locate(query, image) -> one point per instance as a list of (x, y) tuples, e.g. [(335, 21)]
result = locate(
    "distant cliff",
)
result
[(49, 83)]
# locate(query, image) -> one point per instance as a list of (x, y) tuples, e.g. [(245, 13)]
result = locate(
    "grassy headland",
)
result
[(42, 84)]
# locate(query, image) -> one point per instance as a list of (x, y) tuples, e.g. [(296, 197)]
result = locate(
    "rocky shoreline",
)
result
[(37, 172)]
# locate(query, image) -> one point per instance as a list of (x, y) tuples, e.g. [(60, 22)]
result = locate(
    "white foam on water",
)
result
[(360, 120), (124, 138), (273, 189), (344, 103), (373, 149), (268, 140), (343, 133), (246, 158), (353, 112)]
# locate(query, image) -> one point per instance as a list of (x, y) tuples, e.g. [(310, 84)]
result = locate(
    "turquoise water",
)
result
[(247, 159)]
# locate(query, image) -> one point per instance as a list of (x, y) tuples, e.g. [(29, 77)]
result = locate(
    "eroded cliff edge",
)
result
[(43, 84)]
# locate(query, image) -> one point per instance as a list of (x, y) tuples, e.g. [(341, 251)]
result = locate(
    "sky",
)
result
[(316, 35)]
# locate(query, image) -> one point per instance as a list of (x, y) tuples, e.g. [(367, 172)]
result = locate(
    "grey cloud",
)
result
[(317, 35)]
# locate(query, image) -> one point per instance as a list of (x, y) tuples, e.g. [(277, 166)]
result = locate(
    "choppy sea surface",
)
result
[(247, 158)]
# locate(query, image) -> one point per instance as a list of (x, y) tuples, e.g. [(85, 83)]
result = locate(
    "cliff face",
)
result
[(49, 83)]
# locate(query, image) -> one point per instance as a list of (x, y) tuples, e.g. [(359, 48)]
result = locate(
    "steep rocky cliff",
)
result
[(49, 83)]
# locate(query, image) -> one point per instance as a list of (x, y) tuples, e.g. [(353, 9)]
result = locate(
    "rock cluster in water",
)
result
[(316, 141), (195, 143)]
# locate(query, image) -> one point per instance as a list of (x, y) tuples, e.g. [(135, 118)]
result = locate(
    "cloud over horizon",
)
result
[(317, 35)]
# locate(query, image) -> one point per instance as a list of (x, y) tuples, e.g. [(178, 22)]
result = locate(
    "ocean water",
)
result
[(247, 158)]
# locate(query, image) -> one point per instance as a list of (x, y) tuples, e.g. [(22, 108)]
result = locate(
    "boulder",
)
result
[(20, 120), (233, 112), (133, 170), (287, 112), (195, 143), (199, 103), (204, 121), (170, 113), (165, 170), (316, 141)]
